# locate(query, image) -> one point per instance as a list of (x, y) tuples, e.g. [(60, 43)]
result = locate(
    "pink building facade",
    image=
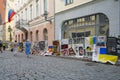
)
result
[(38, 28)]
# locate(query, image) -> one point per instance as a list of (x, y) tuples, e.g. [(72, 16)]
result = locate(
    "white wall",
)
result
[(60, 4), (108, 7)]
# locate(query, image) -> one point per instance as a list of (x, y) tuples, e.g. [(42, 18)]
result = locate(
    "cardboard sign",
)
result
[(56, 47), (42, 45), (71, 51)]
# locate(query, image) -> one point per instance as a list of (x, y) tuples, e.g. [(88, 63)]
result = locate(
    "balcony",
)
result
[(22, 25)]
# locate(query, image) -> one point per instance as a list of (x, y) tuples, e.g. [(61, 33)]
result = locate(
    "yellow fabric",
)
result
[(91, 40), (107, 58)]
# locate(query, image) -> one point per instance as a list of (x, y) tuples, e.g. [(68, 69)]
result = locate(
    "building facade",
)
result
[(2, 18), (34, 20), (9, 26), (84, 18)]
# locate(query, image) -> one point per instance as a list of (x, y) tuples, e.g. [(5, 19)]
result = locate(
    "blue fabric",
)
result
[(103, 50), (28, 46), (94, 40)]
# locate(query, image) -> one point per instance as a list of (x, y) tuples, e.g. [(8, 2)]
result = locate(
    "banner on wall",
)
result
[(64, 47), (88, 46), (79, 50), (101, 41), (65, 41), (99, 47), (71, 51), (95, 53), (107, 58), (42, 45)]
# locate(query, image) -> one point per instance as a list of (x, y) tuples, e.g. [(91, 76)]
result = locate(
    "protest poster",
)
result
[(64, 47), (56, 47)]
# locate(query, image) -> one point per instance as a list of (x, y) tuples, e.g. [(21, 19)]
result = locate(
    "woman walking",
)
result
[(27, 48), (15, 49)]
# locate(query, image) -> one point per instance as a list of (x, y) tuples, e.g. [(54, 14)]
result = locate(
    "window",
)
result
[(45, 5), (95, 24), (30, 12), (67, 2), (22, 15), (37, 8), (45, 34), (26, 14)]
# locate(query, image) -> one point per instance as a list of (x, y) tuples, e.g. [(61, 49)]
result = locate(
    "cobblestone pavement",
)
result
[(53, 68)]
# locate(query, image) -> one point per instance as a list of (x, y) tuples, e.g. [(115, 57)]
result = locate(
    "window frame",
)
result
[(67, 2)]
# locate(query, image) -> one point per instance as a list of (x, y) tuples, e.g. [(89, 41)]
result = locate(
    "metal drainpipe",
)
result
[(54, 19), (119, 18)]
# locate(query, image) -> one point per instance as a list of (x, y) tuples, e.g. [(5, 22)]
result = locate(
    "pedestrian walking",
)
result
[(11, 46), (4, 46), (1, 46), (27, 48), (15, 49)]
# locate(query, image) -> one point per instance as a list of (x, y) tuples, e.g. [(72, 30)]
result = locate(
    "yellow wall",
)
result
[(9, 5)]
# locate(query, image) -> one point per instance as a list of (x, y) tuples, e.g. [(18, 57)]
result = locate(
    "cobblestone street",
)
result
[(52, 68)]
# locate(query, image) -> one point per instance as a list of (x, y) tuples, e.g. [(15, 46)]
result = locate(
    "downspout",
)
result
[(119, 19), (54, 19)]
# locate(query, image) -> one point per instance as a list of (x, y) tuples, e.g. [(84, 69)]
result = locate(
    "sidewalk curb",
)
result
[(83, 59)]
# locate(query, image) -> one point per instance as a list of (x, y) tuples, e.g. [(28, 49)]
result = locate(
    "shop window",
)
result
[(102, 18), (96, 24), (64, 35), (80, 34)]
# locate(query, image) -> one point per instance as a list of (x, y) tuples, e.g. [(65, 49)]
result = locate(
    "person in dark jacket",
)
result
[(1, 46)]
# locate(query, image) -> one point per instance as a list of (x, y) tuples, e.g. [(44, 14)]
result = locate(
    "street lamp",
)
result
[(10, 30), (45, 15)]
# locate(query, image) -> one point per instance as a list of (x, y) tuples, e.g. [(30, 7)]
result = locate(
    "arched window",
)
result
[(22, 37), (45, 32), (18, 38), (31, 36), (37, 35)]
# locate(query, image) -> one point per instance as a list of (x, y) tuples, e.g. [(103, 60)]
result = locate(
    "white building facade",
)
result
[(87, 17)]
